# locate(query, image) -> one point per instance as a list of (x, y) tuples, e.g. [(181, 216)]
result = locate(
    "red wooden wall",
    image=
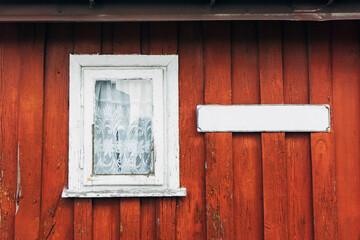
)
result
[(240, 186)]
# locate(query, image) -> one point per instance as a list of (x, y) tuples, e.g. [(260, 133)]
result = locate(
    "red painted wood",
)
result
[(296, 91), (163, 40), (87, 40), (57, 214), (127, 41), (148, 218), (346, 92), (322, 144), (106, 222), (107, 38), (325, 71), (273, 144), (83, 225), (166, 218), (147, 205), (126, 38), (219, 162), (130, 218), (31, 88), (10, 79), (106, 212), (248, 206), (190, 214)]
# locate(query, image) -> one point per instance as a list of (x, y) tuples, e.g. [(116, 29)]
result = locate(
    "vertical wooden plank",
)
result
[(27, 220), (57, 213), (83, 218), (346, 91), (322, 144), (148, 218), (107, 35), (191, 222), (248, 206), (126, 38), (296, 91), (106, 212), (127, 41), (10, 78), (163, 40), (273, 144), (147, 205), (87, 40), (106, 223), (166, 218), (219, 164), (130, 218)]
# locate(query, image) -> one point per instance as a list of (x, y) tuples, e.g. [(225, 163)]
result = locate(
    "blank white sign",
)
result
[(263, 118)]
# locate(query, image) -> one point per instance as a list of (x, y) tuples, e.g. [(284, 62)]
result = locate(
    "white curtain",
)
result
[(123, 127)]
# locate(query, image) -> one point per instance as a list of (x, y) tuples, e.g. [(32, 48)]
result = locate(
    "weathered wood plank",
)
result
[(346, 93), (148, 218), (190, 214), (127, 41), (322, 144), (10, 78), (147, 205), (296, 91), (107, 36), (248, 206), (27, 220), (106, 212), (87, 40), (163, 40), (57, 214), (273, 144), (130, 218), (83, 217), (106, 222), (219, 162)]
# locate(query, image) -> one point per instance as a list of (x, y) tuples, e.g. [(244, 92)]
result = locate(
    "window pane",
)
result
[(123, 127)]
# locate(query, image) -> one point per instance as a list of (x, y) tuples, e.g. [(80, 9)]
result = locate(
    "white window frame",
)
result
[(163, 71)]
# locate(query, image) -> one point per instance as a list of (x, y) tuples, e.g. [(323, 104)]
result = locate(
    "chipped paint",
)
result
[(18, 183)]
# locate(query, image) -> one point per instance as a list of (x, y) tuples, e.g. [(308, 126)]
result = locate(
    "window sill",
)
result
[(140, 192)]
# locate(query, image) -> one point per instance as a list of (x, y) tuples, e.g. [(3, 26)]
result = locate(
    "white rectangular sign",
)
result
[(263, 118)]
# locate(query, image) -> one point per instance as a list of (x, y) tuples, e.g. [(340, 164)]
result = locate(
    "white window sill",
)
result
[(180, 192)]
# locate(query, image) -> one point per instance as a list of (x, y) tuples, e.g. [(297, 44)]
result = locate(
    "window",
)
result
[(123, 126)]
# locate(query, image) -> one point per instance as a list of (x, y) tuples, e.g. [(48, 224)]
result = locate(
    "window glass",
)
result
[(123, 127)]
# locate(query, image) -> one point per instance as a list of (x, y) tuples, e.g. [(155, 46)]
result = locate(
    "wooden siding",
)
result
[(239, 186)]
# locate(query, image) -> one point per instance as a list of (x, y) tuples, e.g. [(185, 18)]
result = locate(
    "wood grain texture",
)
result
[(296, 91), (57, 214), (83, 226), (27, 220), (220, 63), (127, 41), (322, 144), (190, 214), (147, 205), (130, 218), (219, 162), (10, 59), (106, 212), (106, 221), (273, 144), (87, 40), (346, 93), (148, 218), (163, 40), (248, 206)]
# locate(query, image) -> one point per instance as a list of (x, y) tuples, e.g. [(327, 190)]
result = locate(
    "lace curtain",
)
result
[(123, 127)]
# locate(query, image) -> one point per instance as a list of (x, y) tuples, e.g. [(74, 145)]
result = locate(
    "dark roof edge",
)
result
[(175, 12)]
